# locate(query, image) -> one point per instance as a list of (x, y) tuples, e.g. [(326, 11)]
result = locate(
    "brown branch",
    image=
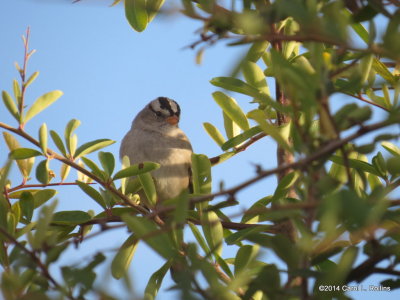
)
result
[(215, 160), (43, 268), (77, 167), (360, 97), (386, 271), (325, 150), (23, 76), (27, 186)]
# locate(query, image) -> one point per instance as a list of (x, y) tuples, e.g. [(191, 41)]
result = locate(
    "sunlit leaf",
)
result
[(10, 104), (43, 138), (237, 140), (42, 103), (214, 133), (232, 109), (31, 79), (69, 137), (58, 142), (92, 146)]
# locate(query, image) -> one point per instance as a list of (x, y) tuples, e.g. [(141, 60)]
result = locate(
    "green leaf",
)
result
[(136, 169), (256, 50), (27, 204), (393, 165), (391, 148), (69, 129), (43, 138), (201, 174), (235, 85), (123, 258), (153, 236), (92, 146), (42, 171), (231, 128), (64, 171), (199, 238), (107, 161), (361, 31), (92, 193), (40, 196), (246, 255), (383, 71), (255, 76), (13, 144), (149, 188), (237, 140), (152, 7), (232, 109), (58, 142), (213, 231), (240, 235), (155, 281), (272, 130), (31, 78), (136, 14), (71, 217), (214, 133), (355, 164), (41, 103), (17, 91), (42, 226), (93, 167), (10, 104), (23, 153), (284, 185)]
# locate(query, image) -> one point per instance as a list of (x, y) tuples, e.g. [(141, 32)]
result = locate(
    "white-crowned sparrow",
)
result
[(155, 136)]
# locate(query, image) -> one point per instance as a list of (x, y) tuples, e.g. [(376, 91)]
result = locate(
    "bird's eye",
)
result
[(158, 114)]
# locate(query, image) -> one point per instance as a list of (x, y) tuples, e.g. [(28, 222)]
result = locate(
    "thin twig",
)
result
[(23, 75), (360, 97), (77, 167), (27, 186), (215, 160), (36, 260)]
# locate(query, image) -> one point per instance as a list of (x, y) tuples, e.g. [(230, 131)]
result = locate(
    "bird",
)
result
[(155, 136)]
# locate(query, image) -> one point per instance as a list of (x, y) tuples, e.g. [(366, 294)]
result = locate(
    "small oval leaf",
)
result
[(136, 169), (232, 109), (214, 133), (92, 146), (23, 153), (43, 138), (123, 258), (42, 172), (41, 103), (136, 14), (71, 217), (10, 104)]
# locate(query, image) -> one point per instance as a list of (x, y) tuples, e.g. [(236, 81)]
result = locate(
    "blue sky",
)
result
[(108, 73)]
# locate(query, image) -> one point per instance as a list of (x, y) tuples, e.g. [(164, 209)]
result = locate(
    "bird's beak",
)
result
[(173, 120)]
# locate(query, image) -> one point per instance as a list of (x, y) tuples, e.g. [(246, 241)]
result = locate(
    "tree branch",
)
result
[(43, 268)]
